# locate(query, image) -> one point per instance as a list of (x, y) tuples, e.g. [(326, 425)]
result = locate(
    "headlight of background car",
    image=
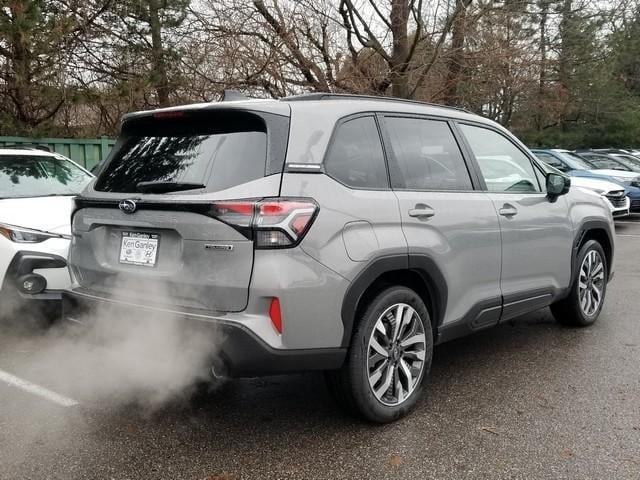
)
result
[(25, 235)]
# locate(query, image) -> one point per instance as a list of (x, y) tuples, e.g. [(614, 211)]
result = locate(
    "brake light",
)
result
[(272, 223), (168, 115)]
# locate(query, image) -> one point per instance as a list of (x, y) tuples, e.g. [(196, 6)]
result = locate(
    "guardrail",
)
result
[(86, 152)]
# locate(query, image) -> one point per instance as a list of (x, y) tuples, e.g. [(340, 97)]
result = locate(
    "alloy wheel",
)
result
[(591, 283), (396, 354)]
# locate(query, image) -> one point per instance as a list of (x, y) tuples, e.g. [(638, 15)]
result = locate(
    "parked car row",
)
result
[(614, 174), (317, 232)]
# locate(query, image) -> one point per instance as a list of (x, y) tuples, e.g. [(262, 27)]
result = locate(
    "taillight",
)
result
[(272, 223)]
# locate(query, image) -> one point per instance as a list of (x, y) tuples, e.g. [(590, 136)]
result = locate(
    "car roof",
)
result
[(314, 116), (335, 105), (27, 152)]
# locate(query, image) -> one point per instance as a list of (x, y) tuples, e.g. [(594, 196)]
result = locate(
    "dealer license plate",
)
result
[(138, 248)]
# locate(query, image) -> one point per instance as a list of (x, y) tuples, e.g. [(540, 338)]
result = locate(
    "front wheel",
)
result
[(389, 358), (584, 303)]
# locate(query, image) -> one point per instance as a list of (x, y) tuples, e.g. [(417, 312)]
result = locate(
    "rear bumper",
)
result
[(240, 352)]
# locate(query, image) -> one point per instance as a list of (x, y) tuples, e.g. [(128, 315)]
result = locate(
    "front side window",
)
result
[(427, 155), (24, 176), (504, 166), (355, 157)]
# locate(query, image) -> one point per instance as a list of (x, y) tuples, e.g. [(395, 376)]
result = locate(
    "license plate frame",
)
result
[(139, 248)]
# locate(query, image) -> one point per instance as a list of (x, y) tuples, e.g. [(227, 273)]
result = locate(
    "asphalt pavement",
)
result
[(526, 400)]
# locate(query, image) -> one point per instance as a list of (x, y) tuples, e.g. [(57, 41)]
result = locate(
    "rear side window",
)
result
[(427, 155), (355, 157), (216, 153)]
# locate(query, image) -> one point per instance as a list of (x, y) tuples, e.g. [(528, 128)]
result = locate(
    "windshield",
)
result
[(606, 162), (575, 161), (629, 161), (24, 176)]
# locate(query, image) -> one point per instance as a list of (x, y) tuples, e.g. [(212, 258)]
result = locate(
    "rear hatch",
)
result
[(166, 220)]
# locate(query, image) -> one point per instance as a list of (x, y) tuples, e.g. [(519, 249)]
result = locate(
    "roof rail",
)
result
[(352, 96)]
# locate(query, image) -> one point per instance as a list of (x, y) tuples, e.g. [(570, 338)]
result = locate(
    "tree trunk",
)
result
[(400, 11), (159, 72), (456, 58), (564, 57), (19, 87), (542, 78)]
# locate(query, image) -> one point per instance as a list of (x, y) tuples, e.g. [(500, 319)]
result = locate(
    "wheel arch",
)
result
[(418, 272), (599, 231)]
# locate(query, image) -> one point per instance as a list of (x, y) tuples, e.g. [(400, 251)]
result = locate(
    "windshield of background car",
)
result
[(39, 176), (629, 161), (606, 162), (575, 161), (218, 152)]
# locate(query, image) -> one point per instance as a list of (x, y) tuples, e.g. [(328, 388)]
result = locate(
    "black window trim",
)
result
[(509, 138), (341, 121), (473, 175)]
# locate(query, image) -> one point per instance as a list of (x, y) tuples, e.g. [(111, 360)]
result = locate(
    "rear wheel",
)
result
[(584, 303), (389, 358)]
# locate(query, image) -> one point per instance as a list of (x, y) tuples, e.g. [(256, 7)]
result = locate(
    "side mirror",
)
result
[(557, 185)]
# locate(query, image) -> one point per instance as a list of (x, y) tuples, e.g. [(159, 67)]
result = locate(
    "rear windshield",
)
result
[(196, 150), (24, 176)]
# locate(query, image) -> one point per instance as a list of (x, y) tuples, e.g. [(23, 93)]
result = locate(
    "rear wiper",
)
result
[(164, 186)]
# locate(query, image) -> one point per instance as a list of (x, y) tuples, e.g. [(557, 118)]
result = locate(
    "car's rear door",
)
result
[(536, 231), (136, 238), (447, 222)]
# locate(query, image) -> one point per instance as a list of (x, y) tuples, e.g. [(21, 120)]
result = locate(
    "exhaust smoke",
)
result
[(124, 356)]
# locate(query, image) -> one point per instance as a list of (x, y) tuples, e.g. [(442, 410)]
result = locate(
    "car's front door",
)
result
[(536, 230), (444, 219)]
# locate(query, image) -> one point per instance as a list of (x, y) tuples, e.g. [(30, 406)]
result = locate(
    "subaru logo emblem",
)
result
[(128, 206)]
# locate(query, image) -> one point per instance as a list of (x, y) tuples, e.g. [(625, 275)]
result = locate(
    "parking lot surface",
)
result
[(528, 399)]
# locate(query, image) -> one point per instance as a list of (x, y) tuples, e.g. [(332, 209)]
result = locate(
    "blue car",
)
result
[(574, 165)]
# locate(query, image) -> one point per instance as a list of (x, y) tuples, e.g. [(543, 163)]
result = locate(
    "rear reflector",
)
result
[(275, 314)]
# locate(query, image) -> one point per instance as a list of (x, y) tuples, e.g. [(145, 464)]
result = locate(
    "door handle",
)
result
[(508, 210), (422, 211)]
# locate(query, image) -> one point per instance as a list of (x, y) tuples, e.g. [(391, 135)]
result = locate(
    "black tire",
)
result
[(350, 385), (569, 311)]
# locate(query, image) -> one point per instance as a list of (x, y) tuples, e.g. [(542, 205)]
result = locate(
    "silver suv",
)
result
[(338, 233)]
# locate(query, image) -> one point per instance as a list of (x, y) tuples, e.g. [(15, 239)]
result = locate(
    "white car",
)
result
[(36, 199), (612, 193)]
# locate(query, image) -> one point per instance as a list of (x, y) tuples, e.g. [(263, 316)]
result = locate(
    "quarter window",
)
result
[(427, 155), (356, 157), (504, 166)]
